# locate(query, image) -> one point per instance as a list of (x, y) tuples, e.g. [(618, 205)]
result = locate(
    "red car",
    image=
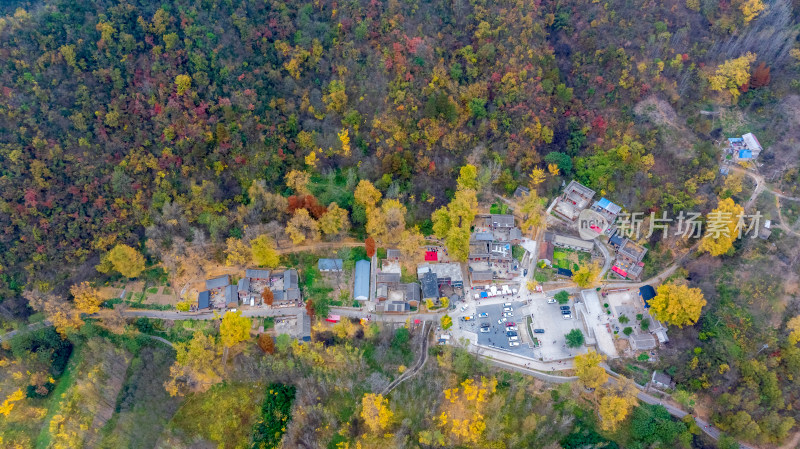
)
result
[(511, 323)]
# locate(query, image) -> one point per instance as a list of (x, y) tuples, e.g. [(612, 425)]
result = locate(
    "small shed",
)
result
[(661, 380), (564, 272), (218, 282), (257, 274), (231, 296)]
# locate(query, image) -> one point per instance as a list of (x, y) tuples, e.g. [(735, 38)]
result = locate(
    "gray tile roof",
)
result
[(231, 295), (289, 279), (244, 285), (430, 286), (218, 282), (203, 300), (256, 273), (393, 254), (388, 278)]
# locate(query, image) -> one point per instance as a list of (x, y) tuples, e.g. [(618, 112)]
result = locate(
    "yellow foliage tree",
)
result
[(375, 412), (616, 404), (589, 371), (123, 259), (334, 221), (410, 244), (183, 83), (263, 252), (197, 365), (237, 252), (732, 74), (298, 181), (536, 177), (387, 223), (8, 403), (553, 169), (468, 177), (60, 312), (367, 195), (302, 227), (462, 416), (586, 275), (532, 211), (344, 139), (751, 9), (234, 328), (721, 227), (794, 330), (677, 304), (86, 298), (446, 322)]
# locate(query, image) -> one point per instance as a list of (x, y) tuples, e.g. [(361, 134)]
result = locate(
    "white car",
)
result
[(567, 317), (513, 343), (514, 338), (551, 300), (512, 328), (508, 309), (508, 314), (508, 304), (485, 329), (464, 307), (502, 320)]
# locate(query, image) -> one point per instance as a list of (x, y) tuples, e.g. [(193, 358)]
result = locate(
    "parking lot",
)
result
[(496, 337), (548, 317)]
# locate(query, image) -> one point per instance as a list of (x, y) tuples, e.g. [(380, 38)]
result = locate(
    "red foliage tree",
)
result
[(268, 296), (369, 245), (760, 76), (266, 343), (310, 307)]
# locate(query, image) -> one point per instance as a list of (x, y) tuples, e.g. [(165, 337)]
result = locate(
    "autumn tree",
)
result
[(267, 296), (334, 221), (237, 252), (183, 83), (536, 177), (732, 74), (125, 260), (410, 244), (751, 9), (375, 412), (369, 246), (60, 312), (468, 178), (302, 227), (387, 222), (263, 252), (86, 298), (310, 311), (532, 212), (234, 329), (446, 322), (586, 275), (617, 403), (266, 343), (677, 304), (298, 181), (197, 365), (452, 223), (589, 371), (760, 76), (367, 195), (721, 228)]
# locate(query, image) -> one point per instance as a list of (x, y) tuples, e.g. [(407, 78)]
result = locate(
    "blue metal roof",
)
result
[(361, 284), (203, 300), (735, 139), (647, 292), (604, 202), (745, 154)]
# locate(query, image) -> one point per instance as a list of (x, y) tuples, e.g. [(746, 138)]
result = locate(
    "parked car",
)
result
[(551, 300), (511, 323), (538, 331), (567, 317), (508, 304), (502, 320), (485, 327), (511, 328), (564, 307), (483, 315), (511, 334), (514, 338), (566, 312), (508, 314), (467, 318), (507, 309), (513, 343)]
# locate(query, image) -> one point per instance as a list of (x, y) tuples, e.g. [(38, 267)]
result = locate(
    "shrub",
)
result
[(627, 331)]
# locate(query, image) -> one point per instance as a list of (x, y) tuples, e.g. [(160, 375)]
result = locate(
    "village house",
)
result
[(490, 246), (330, 265), (608, 210), (576, 197), (628, 263), (661, 381), (446, 273), (745, 148), (573, 243), (430, 286)]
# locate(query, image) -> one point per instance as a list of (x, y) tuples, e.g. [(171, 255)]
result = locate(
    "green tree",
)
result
[(446, 322), (575, 338), (562, 297)]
